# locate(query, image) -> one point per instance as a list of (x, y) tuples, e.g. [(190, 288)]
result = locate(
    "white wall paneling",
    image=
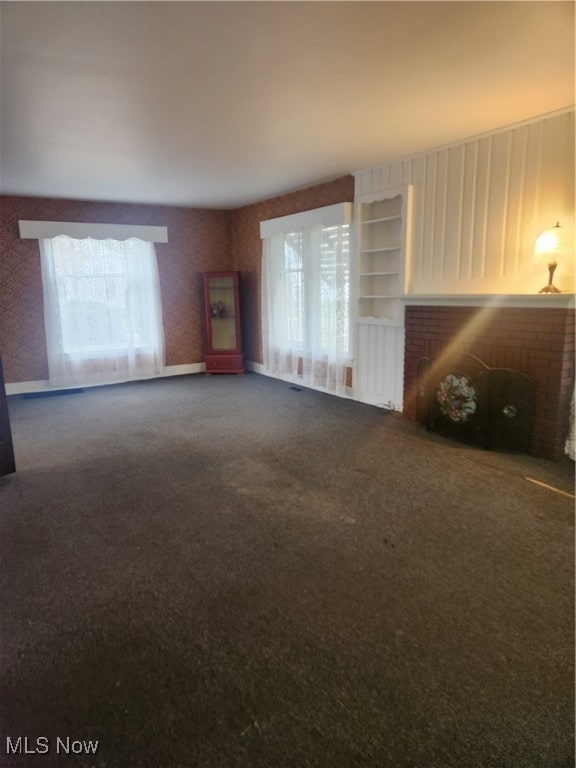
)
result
[(479, 205), (379, 369), (476, 208), (383, 229)]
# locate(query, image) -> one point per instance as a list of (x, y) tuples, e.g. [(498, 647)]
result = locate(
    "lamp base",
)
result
[(550, 288)]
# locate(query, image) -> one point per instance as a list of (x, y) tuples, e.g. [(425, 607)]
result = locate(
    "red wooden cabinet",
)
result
[(223, 337)]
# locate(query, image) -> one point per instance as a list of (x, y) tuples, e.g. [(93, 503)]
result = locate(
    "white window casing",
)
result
[(46, 230)]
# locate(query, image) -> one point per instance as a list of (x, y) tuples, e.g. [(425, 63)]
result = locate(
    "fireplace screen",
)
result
[(465, 399), (510, 410)]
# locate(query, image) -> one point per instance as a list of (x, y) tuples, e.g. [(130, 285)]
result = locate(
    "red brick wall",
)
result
[(537, 341)]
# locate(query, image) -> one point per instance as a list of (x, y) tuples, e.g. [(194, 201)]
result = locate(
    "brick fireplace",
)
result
[(533, 335)]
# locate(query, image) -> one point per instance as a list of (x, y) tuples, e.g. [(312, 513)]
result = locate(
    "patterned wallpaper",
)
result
[(199, 240), (247, 246)]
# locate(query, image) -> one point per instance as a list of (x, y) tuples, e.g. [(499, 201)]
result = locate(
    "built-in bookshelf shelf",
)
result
[(380, 250), (375, 274), (382, 218), (382, 253)]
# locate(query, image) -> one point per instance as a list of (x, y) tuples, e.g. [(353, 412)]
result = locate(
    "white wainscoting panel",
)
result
[(379, 365)]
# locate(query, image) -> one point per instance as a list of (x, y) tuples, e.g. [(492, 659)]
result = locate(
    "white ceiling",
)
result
[(218, 104)]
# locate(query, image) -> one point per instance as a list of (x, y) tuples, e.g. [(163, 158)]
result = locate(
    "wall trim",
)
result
[(328, 216), (182, 370), (42, 385), (255, 367), (40, 230)]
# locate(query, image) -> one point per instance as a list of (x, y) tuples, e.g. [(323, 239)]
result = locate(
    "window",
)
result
[(306, 297), (102, 309), (294, 276), (335, 288), (318, 276)]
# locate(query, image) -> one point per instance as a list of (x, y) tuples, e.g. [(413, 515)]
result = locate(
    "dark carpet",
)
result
[(228, 572)]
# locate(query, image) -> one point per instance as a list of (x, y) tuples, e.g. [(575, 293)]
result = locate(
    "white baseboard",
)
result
[(254, 367), (379, 400), (25, 387), (297, 380), (182, 370)]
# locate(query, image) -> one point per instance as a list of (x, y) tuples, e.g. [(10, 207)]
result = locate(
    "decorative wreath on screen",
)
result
[(457, 398)]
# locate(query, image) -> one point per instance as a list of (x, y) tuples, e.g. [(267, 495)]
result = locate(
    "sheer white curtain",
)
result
[(306, 306), (102, 310)]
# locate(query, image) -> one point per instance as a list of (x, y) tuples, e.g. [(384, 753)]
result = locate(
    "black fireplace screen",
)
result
[(464, 399)]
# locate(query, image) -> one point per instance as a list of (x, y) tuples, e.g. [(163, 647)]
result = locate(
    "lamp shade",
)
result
[(549, 244)]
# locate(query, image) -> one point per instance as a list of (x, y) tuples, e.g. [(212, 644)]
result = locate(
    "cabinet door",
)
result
[(222, 312)]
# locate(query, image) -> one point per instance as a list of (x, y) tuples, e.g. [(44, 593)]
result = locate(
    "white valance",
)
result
[(329, 216), (44, 230)]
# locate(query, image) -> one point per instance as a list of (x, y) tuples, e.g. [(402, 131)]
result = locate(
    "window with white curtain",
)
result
[(102, 310), (306, 297)]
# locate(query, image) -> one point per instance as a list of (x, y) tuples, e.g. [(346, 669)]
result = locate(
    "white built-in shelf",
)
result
[(375, 274), (381, 250), (369, 320), (382, 255), (382, 218)]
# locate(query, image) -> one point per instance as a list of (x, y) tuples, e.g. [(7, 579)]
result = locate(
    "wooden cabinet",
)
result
[(222, 309), (382, 254)]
